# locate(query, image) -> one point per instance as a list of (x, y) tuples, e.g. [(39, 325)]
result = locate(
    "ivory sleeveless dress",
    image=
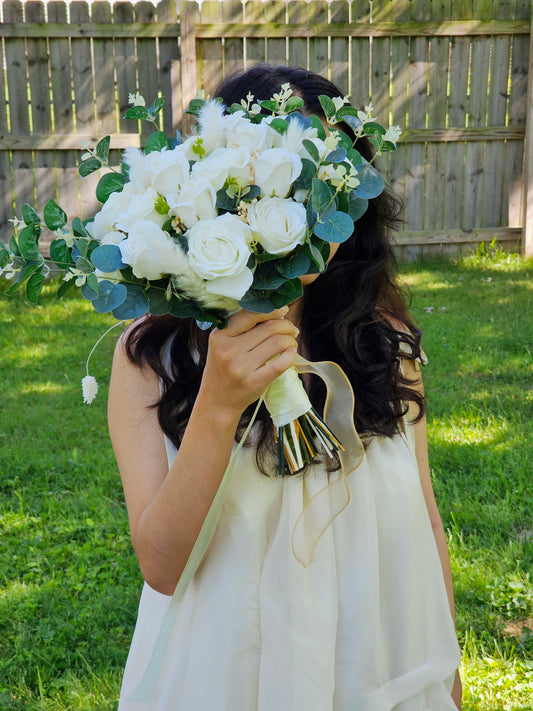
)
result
[(365, 627)]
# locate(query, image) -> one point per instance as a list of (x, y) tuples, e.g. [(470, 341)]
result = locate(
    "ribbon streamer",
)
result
[(314, 520)]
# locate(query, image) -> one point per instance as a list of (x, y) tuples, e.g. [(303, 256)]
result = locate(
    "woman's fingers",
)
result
[(244, 320)]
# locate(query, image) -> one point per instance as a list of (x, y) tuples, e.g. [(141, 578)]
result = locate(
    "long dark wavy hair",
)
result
[(354, 314)]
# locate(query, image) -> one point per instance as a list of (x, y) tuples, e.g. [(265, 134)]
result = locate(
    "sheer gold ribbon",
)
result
[(317, 515)]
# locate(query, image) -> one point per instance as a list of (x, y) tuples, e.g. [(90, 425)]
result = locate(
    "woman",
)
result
[(369, 624)]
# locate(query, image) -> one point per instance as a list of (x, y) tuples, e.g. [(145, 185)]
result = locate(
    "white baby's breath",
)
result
[(89, 388)]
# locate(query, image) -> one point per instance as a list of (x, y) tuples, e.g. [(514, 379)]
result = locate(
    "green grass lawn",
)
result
[(69, 579)]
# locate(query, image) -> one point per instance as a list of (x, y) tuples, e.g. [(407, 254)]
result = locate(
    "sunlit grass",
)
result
[(69, 579)]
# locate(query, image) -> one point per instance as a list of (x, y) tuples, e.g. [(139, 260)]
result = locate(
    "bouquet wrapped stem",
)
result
[(299, 429)]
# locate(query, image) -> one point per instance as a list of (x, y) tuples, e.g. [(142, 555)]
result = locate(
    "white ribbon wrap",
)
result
[(286, 399)]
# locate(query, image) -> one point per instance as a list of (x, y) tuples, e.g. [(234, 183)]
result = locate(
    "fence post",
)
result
[(527, 234)]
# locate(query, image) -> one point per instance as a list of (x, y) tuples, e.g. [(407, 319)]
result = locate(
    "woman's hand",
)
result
[(246, 356)]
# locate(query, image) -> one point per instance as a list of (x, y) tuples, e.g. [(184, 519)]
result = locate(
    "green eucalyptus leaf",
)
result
[(155, 142), (293, 104), (92, 282), (311, 149), (34, 286), (195, 106), (156, 107), (89, 166), (317, 257), (320, 195), (183, 308), (79, 228), (354, 157), (5, 255), (279, 125), (257, 301), (109, 183), (269, 105), (25, 273), (107, 258), (336, 227), (290, 291), (13, 247), (356, 206), (89, 290), (372, 128), (28, 243), (250, 192), (327, 105), (317, 123), (60, 253), (136, 112), (336, 156), (29, 215), (294, 265), (305, 179), (225, 202), (65, 286), (84, 265), (102, 148), (110, 296), (371, 182), (134, 305), (267, 277), (54, 216)]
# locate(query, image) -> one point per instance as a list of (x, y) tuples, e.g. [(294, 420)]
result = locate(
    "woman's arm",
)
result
[(167, 508), (413, 371)]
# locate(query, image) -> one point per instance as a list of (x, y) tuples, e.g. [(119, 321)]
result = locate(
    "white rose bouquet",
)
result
[(229, 218)]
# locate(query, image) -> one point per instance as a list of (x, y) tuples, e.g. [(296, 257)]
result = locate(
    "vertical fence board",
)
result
[(255, 48), (168, 65), (188, 60), (276, 49), (360, 72), (318, 46), (340, 46), (23, 186), (435, 201), (211, 50), (126, 74), (399, 100), (298, 51), (233, 48), (39, 80), (6, 190), (147, 67), (60, 78), (104, 61), (84, 104)]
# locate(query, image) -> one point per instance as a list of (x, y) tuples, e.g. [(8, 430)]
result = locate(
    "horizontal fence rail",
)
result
[(455, 79)]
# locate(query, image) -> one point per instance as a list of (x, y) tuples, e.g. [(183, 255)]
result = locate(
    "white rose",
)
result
[(105, 220), (163, 171), (219, 250), (195, 201), (275, 170), (279, 225), (239, 132), (140, 207), (151, 252)]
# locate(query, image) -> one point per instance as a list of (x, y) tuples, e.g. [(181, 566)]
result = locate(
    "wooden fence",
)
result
[(452, 73)]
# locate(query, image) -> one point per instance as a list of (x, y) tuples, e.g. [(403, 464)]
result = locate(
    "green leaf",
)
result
[(346, 111), (316, 256), (89, 290), (5, 255), (269, 105), (84, 265), (109, 183), (372, 128), (110, 296), (92, 281), (344, 141), (356, 206), (54, 216), (183, 308), (293, 266), (305, 179), (372, 183), (28, 243), (29, 215), (13, 246), (311, 149), (65, 286), (257, 301), (293, 104), (320, 195), (25, 273), (136, 112), (267, 277), (250, 192), (134, 305), (60, 253), (290, 291), (336, 156), (265, 257), (107, 258), (234, 108), (156, 107), (161, 206), (79, 228), (102, 148), (195, 106), (327, 105), (225, 202), (34, 287), (354, 157), (89, 166), (336, 227), (317, 123), (279, 125), (155, 142)]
